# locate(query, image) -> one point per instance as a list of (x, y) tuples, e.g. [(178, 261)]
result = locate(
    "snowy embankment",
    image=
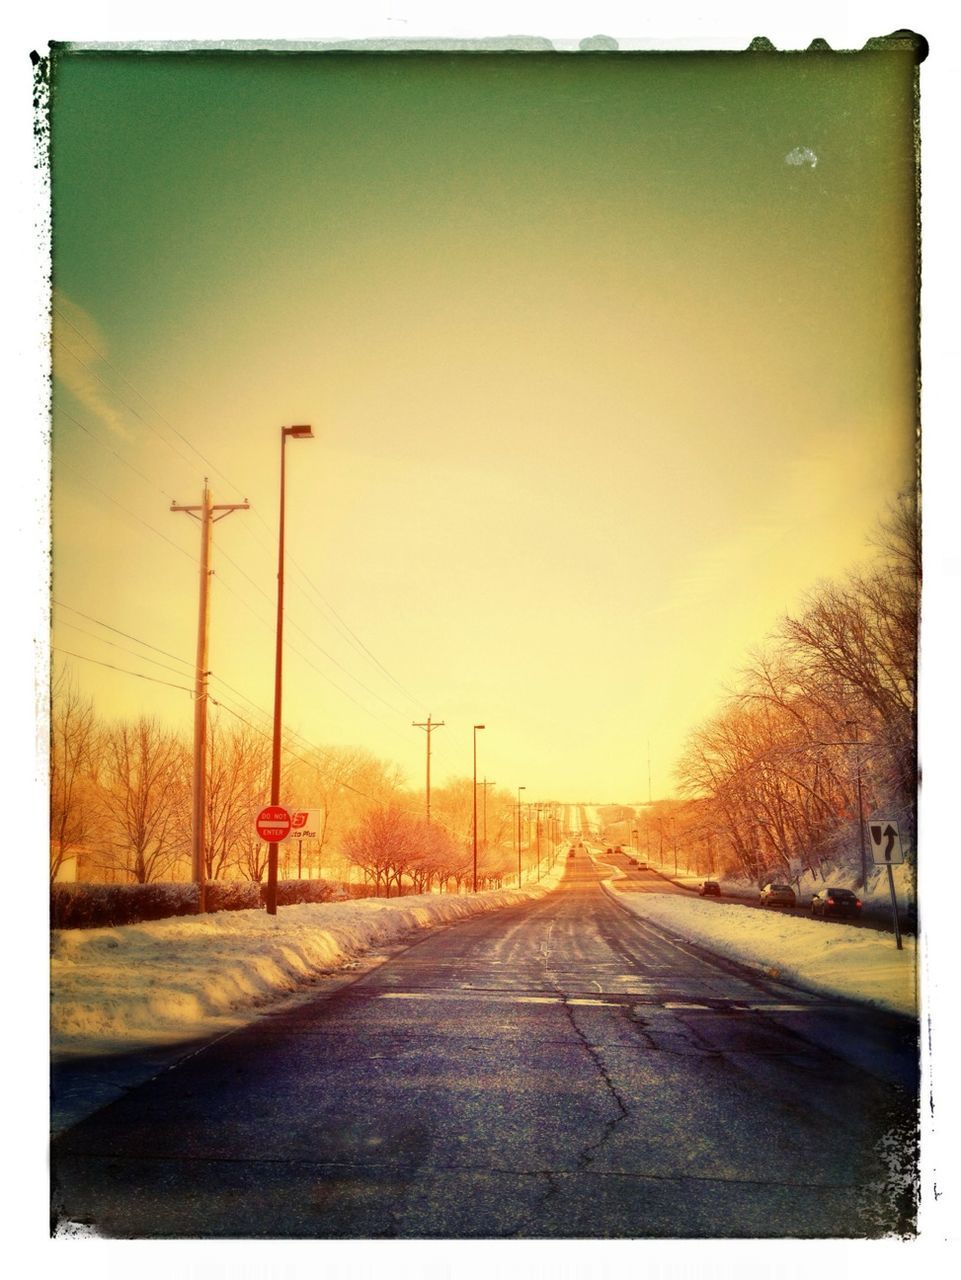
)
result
[(194, 976), (837, 959)]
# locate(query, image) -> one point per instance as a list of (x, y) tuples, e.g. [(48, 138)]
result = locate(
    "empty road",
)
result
[(558, 1069)]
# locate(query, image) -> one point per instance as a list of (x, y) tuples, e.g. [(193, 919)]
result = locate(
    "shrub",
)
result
[(98, 906)]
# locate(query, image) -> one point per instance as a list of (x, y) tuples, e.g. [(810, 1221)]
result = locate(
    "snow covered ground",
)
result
[(189, 977), (195, 976), (837, 959)]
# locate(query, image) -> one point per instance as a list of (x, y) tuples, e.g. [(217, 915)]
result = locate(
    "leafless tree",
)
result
[(141, 798), (74, 751)]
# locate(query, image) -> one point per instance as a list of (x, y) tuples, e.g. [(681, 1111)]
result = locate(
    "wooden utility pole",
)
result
[(205, 514), (486, 785), (429, 728)]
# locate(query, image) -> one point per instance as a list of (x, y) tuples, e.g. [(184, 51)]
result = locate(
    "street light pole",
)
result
[(474, 824), (519, 790), (299, 433)]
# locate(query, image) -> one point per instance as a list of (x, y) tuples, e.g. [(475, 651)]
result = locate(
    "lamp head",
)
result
[(301, 432)]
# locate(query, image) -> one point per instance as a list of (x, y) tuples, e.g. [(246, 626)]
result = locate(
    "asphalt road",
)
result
[(558, 1069)]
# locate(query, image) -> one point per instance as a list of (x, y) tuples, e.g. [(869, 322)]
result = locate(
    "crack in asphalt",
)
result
[(588, 1153)]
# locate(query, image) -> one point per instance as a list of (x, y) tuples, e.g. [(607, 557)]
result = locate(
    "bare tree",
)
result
[(141, 799), (383, 844), (74, 748), (238, 772)]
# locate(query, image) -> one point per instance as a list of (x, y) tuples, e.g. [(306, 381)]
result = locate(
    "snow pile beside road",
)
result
[(856, 964), (192, 976)]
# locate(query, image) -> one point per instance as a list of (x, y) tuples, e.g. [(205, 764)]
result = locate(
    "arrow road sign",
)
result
[(885, 842)]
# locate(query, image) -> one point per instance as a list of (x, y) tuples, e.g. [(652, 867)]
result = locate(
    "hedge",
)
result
[(97, 906)]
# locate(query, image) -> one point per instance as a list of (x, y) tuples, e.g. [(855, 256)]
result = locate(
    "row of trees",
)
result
[(821, 729), (121, 809)]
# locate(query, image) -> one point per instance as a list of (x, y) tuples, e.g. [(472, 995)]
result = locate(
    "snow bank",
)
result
[(194, 976), (837, 959)]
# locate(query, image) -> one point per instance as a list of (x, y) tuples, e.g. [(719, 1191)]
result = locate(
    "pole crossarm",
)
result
[(429, 726), (202, 511)]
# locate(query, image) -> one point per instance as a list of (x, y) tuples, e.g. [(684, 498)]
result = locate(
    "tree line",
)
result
[(120, 809), (820, 731)]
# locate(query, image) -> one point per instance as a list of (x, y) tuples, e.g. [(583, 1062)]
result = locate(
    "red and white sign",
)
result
[(273, 824)]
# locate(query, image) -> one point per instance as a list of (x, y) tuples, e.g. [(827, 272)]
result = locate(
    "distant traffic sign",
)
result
[(885, 842), (273, 824)]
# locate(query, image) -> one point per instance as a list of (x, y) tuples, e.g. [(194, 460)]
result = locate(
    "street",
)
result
[(555, 1070)]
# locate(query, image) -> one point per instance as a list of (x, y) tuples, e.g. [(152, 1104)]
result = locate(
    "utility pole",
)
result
[(429, 728), (485, 784), (857, 761), (205, 514)]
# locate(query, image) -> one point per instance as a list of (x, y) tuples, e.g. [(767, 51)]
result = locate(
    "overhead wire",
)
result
[(345, 630)]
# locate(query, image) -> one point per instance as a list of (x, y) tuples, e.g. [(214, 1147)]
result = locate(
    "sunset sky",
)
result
[(609, 359)]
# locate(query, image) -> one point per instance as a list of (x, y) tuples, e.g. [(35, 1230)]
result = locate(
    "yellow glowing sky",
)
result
[(601, 384)]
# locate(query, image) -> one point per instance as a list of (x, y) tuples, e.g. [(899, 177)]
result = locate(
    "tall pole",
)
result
[(486, 786), (429, 728), (300, 432), (857, 762), (198, 869), (538, 811), (474, 823), (519, 790)]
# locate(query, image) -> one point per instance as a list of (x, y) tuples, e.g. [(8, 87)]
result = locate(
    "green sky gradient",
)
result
[(601, 383)]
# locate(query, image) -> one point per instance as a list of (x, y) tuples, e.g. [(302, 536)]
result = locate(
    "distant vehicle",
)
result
[(778, 895), (641, 866), (836, 902), (634, 862), (618, 849), (608, 849), (710, 888), (570, 853)]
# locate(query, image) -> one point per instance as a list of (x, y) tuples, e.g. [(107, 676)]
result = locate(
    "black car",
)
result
[(836, 902), (710, 889)]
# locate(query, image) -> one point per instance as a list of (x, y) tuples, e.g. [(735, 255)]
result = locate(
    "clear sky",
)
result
[(608, 359)]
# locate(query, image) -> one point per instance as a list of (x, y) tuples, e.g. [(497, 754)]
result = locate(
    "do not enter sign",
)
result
[(273, 823)]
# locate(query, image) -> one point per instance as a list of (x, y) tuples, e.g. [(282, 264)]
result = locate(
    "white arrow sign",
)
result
[(885, 841)]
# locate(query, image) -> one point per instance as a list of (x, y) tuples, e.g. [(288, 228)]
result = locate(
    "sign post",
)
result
[(886, 847)]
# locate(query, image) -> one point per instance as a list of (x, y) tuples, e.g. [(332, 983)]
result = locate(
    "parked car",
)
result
[(570, 853), (710, 889), (778, 895), (608, 849), (641, 866), (836, 902)]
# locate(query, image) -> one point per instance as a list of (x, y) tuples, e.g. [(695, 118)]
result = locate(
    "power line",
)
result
[(120, 458), (133, 515), (153, 410), (344, 627), (139, 674), (116, 631), (113, 644), (139, 416)]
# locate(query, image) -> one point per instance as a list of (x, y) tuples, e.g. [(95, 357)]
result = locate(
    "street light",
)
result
[(519, 790), (476, 727), (299, 433)]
